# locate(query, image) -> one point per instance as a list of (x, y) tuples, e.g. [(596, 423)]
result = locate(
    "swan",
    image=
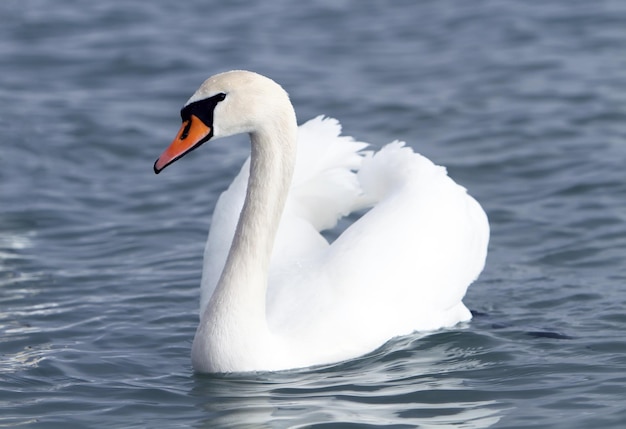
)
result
[(275, 294)]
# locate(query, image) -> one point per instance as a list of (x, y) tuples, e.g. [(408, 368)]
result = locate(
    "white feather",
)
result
[(404, 266)]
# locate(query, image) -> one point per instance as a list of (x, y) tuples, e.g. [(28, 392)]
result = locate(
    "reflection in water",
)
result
[(20, 361), (407, 383), (16, 352), (11, 241)]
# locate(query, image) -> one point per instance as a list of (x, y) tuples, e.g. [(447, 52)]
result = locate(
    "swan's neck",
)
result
[(244, 279), (235, 317)]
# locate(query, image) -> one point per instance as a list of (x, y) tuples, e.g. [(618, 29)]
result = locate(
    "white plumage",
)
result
[(405, 265)]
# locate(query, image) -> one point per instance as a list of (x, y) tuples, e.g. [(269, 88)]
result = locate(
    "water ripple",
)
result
[(100, 260)]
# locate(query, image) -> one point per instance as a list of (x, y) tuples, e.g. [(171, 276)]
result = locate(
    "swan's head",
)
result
[(226, 104)]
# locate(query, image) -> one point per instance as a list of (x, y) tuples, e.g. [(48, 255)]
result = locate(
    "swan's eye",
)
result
[(220, 97)]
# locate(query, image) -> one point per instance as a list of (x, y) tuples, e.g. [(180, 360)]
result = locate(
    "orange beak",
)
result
[(192, 134)]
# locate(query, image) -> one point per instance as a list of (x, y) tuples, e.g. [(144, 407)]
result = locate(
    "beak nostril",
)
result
[(185, 132)]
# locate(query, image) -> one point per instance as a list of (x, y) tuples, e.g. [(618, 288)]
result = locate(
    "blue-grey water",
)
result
[(100, 260)]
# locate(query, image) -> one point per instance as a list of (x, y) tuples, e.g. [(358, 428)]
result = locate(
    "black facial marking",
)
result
[(202, 109)]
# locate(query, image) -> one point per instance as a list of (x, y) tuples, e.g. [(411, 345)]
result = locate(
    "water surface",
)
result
[(100, 260)]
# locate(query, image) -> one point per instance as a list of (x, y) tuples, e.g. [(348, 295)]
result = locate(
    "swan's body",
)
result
[(275, 293)]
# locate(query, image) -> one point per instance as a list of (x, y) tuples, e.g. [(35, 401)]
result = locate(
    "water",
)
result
[(100, 260)]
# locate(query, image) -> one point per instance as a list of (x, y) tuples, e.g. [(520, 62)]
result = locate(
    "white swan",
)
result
[(275, 294)]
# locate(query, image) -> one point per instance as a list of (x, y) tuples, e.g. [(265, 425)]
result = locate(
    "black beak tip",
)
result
[(155, 168)]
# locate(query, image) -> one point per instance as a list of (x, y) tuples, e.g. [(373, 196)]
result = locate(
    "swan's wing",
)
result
[(325, 187), (403, 266), (409, 260)]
